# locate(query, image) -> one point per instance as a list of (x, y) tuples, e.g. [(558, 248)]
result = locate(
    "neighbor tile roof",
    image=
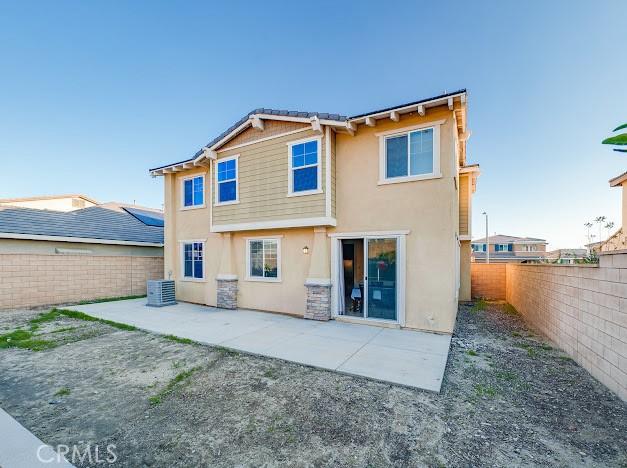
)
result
[(503, 239), (107, 222)]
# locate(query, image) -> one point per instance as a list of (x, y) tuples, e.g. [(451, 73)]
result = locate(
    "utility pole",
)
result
[(487, 241)]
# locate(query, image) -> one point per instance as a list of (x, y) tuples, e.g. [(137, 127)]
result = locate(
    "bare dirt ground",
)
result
[(508, 399)]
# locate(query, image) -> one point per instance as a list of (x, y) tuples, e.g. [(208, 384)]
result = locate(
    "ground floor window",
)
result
[(193, 257), (263, 259)]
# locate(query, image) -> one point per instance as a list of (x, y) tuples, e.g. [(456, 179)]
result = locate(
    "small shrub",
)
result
[(479, 305), (63, 391), (516, 334), (472, 352)]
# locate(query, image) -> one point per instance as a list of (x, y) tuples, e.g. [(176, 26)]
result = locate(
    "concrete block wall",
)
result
[(29, 280), (582, 309), (487, 280)]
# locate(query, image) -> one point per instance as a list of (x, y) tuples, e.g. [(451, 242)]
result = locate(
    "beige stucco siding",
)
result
[(263, 184), (427, 208), (464, 204)]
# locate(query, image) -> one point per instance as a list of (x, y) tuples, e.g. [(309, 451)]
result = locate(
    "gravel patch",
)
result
[(508, 399)]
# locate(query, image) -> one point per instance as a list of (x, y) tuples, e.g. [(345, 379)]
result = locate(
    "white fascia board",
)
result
[(279, 224)]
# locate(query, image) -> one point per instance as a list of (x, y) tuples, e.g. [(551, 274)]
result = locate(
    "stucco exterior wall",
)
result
[(428, 209), (28, 280)]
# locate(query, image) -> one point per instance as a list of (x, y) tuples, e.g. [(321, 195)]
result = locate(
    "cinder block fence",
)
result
[(581, 308), (29, 280)]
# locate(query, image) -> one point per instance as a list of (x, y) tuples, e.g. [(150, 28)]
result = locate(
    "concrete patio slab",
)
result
[(20, 448), (405, 357)]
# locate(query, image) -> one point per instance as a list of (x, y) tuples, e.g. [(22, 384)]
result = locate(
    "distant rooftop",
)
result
[(505, 239), (109, 223)]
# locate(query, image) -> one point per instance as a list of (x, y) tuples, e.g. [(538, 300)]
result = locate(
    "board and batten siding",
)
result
[(464, 197), (263, 184)]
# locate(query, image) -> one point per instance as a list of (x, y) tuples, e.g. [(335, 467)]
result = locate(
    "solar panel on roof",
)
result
[(149, 218)]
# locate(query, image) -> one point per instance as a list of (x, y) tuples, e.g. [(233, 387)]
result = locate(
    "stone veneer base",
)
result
[(318, 302), (227, 293)]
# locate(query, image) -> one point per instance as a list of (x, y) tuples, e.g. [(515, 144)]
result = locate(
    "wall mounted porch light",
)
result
[(305, 250)]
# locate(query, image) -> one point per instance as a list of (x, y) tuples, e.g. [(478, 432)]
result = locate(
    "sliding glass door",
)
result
[(381, 279)]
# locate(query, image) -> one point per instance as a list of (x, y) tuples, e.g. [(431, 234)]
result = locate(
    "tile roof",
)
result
[(109, 221), (277, 112), (288, 113), (504, 239)]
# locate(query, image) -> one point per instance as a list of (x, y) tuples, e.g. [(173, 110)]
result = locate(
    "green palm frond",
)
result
[(616, 140), (620, 127)]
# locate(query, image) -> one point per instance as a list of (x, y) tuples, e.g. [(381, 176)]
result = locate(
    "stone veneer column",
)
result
[(226, 278), (318, 282)]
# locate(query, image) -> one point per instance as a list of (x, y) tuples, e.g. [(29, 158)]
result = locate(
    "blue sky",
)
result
[(92, 94)]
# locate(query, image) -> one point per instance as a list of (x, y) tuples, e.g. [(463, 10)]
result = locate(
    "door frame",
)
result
[(401, 237)]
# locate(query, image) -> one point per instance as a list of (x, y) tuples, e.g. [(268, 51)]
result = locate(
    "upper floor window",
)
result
[(194, 191), (478, 247), (304, 168), (503, 247), (263, 259), (226, 179), (530, 248), (409, 154), (193, 260)]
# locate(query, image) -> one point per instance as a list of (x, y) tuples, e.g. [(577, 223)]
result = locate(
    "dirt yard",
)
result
[(508, 399)]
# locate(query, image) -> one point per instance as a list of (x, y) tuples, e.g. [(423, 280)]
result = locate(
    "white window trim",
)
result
[(383, 136), (217, 201), (204, 192), (290, 179), (182, 260), (248, 277)]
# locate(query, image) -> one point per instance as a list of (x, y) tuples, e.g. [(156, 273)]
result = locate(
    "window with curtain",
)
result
[(409, 154), (263, 259), (194, 191), (305, 166), (193, 260), (227, 180)]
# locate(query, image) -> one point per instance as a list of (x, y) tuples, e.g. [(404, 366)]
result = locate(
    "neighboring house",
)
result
[(53, 257), (106, 229), (52, 202), (566, 256), (508, 249), (362, 218)]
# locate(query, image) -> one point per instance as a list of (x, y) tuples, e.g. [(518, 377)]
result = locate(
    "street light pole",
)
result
[(487, 239)]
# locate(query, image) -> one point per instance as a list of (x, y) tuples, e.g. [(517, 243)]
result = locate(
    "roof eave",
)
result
[(84, 240)]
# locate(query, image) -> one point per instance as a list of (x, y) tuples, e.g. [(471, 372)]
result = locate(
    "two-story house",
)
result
[(512, 249), (362, 218)]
